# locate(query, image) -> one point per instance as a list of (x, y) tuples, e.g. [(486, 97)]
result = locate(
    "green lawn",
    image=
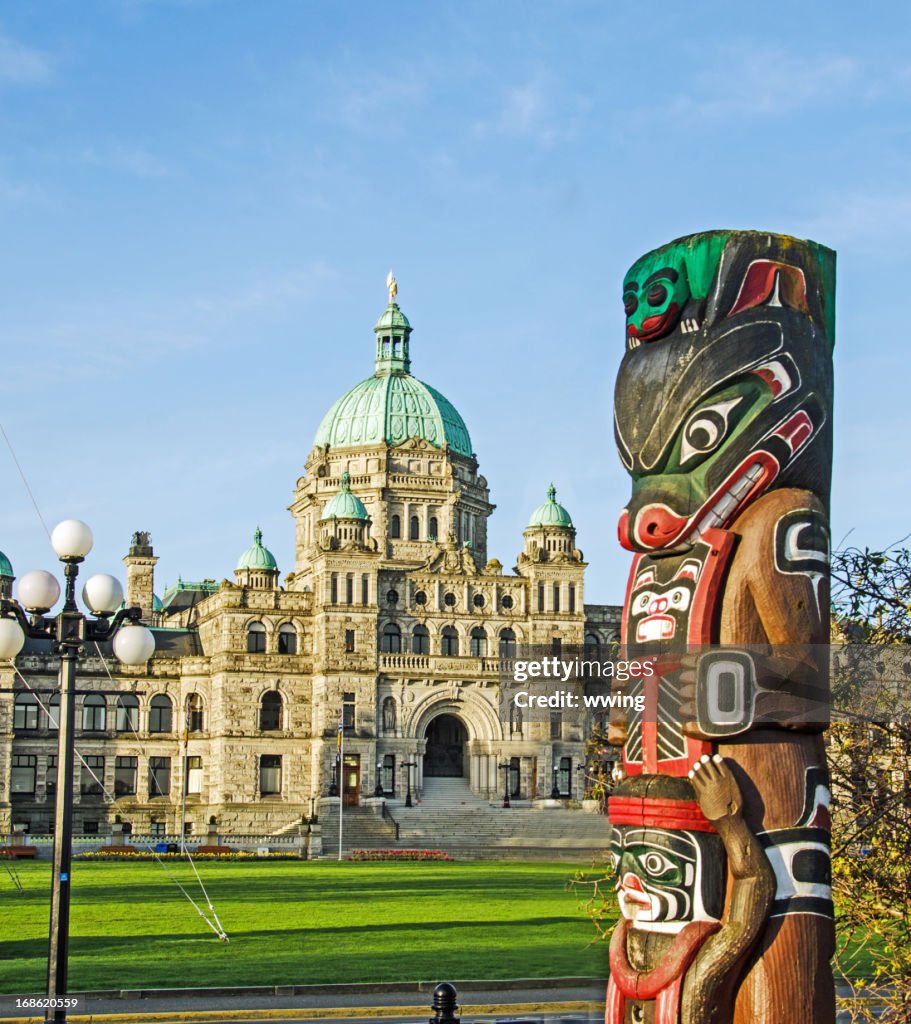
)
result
[(298, 922)]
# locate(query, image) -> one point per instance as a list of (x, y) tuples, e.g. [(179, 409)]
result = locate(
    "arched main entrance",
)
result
[(445, 753)]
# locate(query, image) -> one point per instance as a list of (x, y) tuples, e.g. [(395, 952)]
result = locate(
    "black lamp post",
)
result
[(378, 788), (409, 765), (505, 770), (69, 629), (555, 790)]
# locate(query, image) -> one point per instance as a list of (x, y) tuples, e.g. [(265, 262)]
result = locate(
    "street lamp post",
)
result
[(133, 644), (505, 769), (555, 789), (378, 788), (409, 765)]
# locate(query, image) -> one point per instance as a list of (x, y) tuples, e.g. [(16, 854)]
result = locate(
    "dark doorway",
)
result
[(446, 738), (351, 788)]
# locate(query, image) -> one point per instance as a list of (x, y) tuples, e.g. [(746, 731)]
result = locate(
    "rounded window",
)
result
[(478, 600), (392, 597), (506, 601), (449, 599), (420, 597)]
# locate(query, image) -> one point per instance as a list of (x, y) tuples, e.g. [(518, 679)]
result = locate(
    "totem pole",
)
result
[(723, 418)]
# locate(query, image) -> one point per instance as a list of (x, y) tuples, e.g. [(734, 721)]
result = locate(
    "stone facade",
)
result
[(392, 617)]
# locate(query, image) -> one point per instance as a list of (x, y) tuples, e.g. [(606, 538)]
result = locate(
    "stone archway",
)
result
[(444, 756)]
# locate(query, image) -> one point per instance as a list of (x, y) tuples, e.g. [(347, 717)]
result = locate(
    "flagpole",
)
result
[(341, 777)]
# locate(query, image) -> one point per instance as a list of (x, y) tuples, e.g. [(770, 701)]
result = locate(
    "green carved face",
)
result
[(655, 291), (657, 287)]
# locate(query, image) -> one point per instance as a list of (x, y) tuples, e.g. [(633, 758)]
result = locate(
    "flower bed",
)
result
[(399, 855), (115, 853)]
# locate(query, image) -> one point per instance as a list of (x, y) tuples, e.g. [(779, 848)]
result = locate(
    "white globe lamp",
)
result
[(72, 539), (11, 639), (134, 645), (103, 593), (38, 591)]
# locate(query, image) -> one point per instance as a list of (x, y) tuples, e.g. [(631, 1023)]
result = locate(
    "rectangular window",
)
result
[(188, 828), (90, 828), (572, 598), (22, 778), (125, 769), (389, 774), (157, 828), (93, 776), (556, 646), (25, 712), (540, 597), (349, 589), (333, 588), (556, 597), (348, 706), (50, 775), (349, 641), (159, 776), (556, 725), (365, 591), (270, 774), (194, 775)]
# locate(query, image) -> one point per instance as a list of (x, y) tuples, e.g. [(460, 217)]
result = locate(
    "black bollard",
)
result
[(445, 1008)]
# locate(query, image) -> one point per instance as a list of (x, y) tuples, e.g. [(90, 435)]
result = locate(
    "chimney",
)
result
[(140, 563)]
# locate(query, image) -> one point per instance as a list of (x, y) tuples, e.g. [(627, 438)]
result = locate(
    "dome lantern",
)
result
[(257, 567)]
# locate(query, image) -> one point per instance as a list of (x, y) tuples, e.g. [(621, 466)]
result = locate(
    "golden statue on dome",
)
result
[(392, 285)]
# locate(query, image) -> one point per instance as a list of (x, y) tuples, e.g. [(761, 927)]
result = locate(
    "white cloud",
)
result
[(751, 82), (537, 110), (133, 160), (23, 65)]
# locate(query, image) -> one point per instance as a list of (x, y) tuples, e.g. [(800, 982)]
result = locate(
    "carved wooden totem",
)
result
[(723, 418)]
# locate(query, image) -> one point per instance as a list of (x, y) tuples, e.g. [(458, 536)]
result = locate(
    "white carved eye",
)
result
[(679, 598), (656, 864), (706, 429), (642, 601)]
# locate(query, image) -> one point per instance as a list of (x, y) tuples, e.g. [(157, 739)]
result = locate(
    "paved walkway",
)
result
[(560, 1001)]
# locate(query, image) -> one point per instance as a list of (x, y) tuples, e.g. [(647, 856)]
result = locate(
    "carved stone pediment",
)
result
[(452, 560)]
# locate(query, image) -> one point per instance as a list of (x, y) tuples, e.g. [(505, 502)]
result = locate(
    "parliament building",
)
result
[(394, 622)]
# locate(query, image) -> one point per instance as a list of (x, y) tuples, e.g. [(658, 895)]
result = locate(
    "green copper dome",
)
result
[(256, 556), (6, 568), (392, 405), (551, 513), (344, 505)]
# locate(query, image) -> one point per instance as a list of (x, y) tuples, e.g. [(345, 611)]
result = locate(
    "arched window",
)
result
[(127, 718), (194, 713), (391, 642), (592, 645), (25, 711), (507, 643), (94, 713), (449, 642), (395, 527), (256, 638), (160, 713), (478, 642), (433, 528), (414, 529), (420, 640), (270, 711), (287, 639)]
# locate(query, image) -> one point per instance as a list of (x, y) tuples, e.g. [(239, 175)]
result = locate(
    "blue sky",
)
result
[(200, 201)]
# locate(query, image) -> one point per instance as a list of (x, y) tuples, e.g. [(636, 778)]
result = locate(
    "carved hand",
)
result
[(716, 789)]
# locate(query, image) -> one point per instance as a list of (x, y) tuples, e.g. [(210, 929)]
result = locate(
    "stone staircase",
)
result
[(449, 817)]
